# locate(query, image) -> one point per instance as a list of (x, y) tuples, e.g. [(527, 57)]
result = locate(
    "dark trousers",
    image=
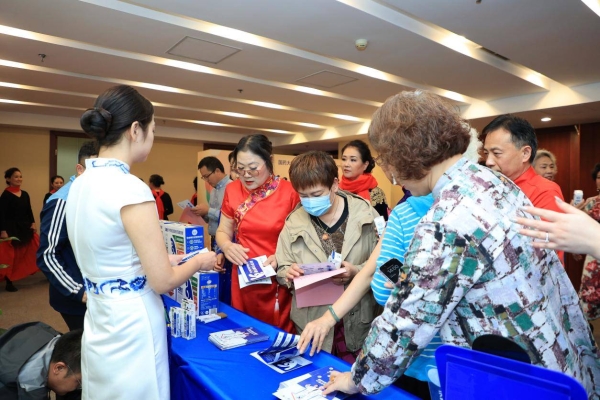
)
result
[(73, 321)]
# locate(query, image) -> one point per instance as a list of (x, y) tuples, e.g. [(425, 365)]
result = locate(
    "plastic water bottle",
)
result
[(577, 197)]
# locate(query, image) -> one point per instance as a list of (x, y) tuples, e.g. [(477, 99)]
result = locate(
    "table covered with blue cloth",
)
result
[(199, 370)]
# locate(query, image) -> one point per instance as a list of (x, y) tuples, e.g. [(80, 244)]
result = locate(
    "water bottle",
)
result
[(577, 197)]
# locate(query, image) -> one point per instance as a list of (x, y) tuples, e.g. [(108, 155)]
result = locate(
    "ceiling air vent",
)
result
[(202, 50), (326, 79), (500, 56)]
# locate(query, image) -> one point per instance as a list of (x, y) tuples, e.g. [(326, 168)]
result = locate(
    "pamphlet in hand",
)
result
[(308, 387), (237, 337), (254, 272), (282, 355), (315, 268), (185, 204)]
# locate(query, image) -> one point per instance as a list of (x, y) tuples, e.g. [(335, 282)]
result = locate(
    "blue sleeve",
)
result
[(53, 241)]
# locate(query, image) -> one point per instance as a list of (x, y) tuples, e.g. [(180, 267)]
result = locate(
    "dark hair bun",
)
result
[(96, 122)]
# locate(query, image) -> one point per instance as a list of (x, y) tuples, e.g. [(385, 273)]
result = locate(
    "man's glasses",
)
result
[(78, 381), (250, 171), (205, 178)]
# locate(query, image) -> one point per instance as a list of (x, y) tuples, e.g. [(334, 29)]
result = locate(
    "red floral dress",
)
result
[(590, 278)]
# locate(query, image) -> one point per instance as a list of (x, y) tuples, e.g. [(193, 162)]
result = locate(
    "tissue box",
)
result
[(182, 238), (203, 288)]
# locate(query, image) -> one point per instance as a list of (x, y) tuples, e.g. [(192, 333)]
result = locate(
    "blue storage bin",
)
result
[(467, 374)]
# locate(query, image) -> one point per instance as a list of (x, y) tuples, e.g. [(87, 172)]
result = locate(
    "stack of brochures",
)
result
[(236, 337)]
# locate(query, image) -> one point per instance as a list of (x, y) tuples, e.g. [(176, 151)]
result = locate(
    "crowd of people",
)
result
[(474, 258)]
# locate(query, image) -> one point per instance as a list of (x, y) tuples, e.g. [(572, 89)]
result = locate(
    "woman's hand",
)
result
[(220, 266), (293, 271), (205, 261), (175, 259), (346, 277), (583, 204), (272, 261), (341, 381), (235, 253), (315, 332), (573, 231)]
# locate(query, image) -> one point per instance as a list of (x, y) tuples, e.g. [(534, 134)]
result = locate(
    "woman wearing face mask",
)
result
[(252, 216), (329, 220), (357, 164)]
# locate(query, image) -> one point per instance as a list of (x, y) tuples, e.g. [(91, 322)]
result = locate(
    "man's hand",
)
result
[(201, 209)]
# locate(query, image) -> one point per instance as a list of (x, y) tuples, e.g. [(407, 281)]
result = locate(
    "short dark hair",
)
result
[(113, 113), (9, 173), (521, 132), (595, 171), (414, 131), (56, 176), (156, 180), (195, 181), (257, 144), (365, 153), (211, 163), (311, 169), (68, 350), (87, 150)]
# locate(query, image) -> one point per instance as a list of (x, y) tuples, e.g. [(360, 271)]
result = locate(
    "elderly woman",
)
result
[(252, 216), (357, 164), (544, 164), (470, 272), (329, 220)]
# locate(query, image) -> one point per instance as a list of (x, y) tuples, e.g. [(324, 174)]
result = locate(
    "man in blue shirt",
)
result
[(55, 256)]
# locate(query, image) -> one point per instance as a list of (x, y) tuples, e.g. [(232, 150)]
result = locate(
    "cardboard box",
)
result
[(203, 288), (182, 238)]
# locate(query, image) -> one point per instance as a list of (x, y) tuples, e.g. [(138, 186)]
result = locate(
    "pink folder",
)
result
[(188, 217), (318, 289)]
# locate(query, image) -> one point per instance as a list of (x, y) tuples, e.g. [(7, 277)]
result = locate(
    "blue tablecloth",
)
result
[(199, 370)]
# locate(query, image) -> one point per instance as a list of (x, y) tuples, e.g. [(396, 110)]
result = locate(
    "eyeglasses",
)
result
[(250, 171), (79, 387), (379, 161), (205, 178)]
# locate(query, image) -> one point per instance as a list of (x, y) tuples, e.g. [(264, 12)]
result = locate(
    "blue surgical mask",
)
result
[(316, 206)]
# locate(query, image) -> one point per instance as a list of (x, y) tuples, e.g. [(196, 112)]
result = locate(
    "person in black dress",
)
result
[(16, 220)]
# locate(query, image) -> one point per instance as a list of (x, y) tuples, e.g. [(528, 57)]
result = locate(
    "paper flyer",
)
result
[(185, 204)]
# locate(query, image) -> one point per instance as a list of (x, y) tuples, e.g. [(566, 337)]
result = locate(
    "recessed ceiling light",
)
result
[(546, 119)]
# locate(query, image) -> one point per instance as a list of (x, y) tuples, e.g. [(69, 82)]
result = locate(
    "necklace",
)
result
[(324, 226)]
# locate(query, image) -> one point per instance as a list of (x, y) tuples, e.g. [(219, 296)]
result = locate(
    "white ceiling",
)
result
[(553, 66)]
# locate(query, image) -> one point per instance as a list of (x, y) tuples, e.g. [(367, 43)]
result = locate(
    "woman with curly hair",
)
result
[(468, 271)]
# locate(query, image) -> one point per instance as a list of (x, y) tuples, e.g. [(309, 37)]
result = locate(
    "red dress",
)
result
[(257, 225)]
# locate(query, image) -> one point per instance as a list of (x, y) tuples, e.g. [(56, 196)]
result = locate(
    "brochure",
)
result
[(282, 356), (237, 337), (318, 289), (315, 268), (308, 387), (185, 204), (255, 263)]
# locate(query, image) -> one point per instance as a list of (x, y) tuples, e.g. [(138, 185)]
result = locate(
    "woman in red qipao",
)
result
[(17, 256), (253, 212)]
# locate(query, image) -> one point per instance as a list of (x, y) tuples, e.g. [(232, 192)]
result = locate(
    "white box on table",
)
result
[(203, 288)]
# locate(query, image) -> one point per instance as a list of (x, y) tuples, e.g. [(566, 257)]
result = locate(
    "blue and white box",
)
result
[(203, 289), (182, 238)]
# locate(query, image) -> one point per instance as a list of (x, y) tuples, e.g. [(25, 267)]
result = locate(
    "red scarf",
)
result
[(159, 204), (194, 199), (13, 189), (53, 191), (360, 185)]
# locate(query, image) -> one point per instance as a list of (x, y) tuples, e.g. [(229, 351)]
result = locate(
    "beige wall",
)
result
[(176, 161), (28, 150)]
